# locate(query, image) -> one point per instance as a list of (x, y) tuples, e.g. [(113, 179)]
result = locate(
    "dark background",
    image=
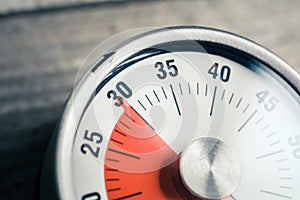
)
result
[(43, 43)]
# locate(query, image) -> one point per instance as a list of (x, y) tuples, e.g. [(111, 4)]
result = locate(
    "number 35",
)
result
[(172, 70)]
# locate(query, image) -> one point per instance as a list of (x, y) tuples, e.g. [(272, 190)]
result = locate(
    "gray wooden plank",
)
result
[(8, 7)]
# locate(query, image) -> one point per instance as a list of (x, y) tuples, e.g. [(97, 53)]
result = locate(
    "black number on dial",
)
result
[(123, 89), (91, 196), (172, 70), (94, 137), (224, 73), (295, 143), (269, 101)]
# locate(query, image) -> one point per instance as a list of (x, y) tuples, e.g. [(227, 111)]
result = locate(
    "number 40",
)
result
[(224, 72)]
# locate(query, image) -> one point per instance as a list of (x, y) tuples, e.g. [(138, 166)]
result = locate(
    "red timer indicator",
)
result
[(140, 165)]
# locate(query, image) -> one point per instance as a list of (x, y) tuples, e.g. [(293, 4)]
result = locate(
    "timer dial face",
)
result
[(189, 124)]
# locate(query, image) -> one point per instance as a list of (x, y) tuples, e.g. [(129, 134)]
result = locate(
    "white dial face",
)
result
[(147, 114)]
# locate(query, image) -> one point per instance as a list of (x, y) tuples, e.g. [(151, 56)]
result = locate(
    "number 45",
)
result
[(270, 102)]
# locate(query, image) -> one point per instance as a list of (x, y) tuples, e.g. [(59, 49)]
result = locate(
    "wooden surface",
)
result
[(41, 52), (9, 6)]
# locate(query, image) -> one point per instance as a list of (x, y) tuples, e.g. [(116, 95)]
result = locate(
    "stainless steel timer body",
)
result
[(59, 180)]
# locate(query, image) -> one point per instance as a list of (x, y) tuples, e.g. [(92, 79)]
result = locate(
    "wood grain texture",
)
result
[(41, 52), (9, 6)]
